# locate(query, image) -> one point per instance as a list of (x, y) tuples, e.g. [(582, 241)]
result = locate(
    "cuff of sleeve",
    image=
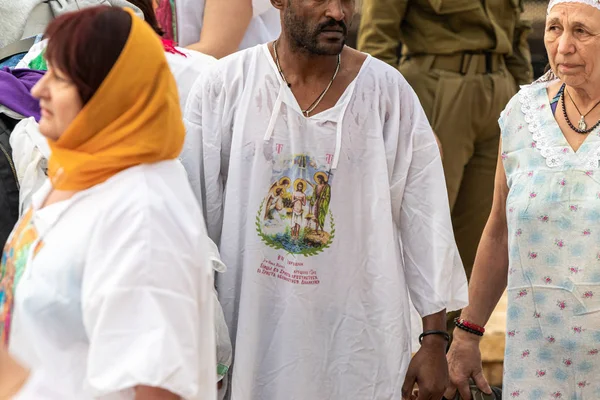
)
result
[(453, 305), (455, 299), (217, 264)]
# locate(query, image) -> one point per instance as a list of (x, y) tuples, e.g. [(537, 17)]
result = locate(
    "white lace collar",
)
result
[(547, 136)]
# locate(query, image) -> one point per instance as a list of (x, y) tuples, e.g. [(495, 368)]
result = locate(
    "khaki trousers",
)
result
[(463, 106)]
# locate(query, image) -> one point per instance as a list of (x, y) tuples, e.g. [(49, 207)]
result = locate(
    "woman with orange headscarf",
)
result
[(105, 290)]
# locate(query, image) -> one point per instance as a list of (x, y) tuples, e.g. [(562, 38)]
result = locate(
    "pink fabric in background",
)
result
[(165, 14)]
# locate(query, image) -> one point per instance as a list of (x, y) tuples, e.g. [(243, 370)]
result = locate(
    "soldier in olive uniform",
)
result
[(465, 60)]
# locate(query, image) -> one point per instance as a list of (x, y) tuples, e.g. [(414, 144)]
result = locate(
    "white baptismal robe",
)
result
[(325, 223)]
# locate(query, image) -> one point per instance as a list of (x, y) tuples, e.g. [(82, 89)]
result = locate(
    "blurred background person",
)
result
[(465, 61), (29, 149), (106, 286), (218, 27), (22, 20)]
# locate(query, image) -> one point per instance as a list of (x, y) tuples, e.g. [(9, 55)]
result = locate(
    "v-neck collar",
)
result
[(291, 100), (547, 111), (547, 136)]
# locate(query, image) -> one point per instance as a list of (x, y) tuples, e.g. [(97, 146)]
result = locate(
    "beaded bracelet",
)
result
[(470, 327)]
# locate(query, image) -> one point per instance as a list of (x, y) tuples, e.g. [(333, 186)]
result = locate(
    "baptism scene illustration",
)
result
[(295, 215)]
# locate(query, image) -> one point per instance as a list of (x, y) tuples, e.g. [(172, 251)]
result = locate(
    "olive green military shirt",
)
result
[(446, 27)]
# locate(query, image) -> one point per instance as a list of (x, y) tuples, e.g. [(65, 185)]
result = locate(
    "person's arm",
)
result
[(428, 367), (208, 119), (15, 384), (13, 376), (146, 299), (519, 63), (379, 32), (224, 26), (152, 393), (433, 269), (434, 273), (488, 282), (491, 262)]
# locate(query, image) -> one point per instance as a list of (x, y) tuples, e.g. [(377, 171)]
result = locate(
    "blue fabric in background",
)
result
[(12, 62)]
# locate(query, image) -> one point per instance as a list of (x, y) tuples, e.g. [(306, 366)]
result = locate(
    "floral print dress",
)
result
[(553, 212)]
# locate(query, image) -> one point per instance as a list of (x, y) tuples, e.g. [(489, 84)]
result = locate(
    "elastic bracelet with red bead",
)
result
[(468, 326)]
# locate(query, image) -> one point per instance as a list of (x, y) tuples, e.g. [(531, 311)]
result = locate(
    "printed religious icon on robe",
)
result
[(295, 214)]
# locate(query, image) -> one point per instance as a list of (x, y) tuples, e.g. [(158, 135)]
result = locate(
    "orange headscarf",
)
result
[(134, 118)]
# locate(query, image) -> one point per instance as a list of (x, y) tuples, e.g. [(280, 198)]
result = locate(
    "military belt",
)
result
[(462, 63)]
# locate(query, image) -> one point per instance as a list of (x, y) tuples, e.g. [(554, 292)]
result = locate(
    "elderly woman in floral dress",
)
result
[(543, 232)]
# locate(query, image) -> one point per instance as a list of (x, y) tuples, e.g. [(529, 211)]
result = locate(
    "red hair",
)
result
[(84, 45)]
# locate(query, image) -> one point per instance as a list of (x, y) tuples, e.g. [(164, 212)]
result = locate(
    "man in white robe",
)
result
[(324, 314)]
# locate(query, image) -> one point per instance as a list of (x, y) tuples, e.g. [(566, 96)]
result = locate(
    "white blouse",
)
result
[(120, 293)]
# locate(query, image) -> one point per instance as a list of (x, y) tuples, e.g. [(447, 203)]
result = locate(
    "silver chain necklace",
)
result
[(315, 103)]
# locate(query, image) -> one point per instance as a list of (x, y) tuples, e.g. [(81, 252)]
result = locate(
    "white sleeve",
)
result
[(147, 302), (186, 68), (207, 119), (30, 153), (434, 272)]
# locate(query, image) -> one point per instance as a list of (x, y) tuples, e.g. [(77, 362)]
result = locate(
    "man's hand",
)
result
[(428, 369), (464, 361)]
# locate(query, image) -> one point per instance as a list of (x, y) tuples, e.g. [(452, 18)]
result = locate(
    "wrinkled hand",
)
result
[(464, 362), (428, 369)]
